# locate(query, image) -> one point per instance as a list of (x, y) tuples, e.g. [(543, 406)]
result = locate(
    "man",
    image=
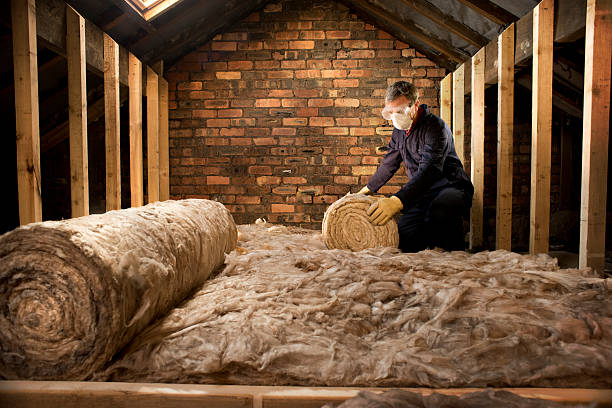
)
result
[(439, 192)]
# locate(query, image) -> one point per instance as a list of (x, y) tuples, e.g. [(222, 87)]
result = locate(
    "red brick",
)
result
[(362, 131), (234, 36), (189, 86), (421, 62), (242, 122), (204, 113), (345, 63), (280, 93), (287, 35), (217, 103), (240, 65), (201, 95), (284, 190), (383, 35), (336, 131), (267, 103), (283, 132), (293, 103), (250, 45), (308, 73), (223, 46), (348, 121), (320, 103), (400, 45), (319, 64), (282, 208), (294, 180), (266, 180), (423, 83), (348, 159), (346, 83), (301, 45), (293, 64), (307, 93), (355, 44), (388, 53), (322, 121), (217, 122), (345, 103), (381, 44), (312, 35), (360, 73), (363, 170), (325, 199), (274, 45), (217, 141), (299, 25), (217, 180), (360, 54), (260, 170), (338, 35), (242, 103), (359, 150), (371, 160), (264, 141), (307, 112), (248, 199), (241, 141), (232, 132), (280, 74), (294, 121), (413, 72), (230, 113), (333, 73), (345, 180), (266, 64), (436, 72)]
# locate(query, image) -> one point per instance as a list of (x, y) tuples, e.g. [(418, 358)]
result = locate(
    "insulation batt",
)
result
[(285, 311), (74, 292)]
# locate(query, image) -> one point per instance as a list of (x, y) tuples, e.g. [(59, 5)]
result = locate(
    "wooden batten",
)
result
[(112, 129), (25, 62), (164, 149), (505, 129), (458, 121), (446, 91), (596, 129), (541, 126), (135, 102), (152, 135), (77, 117), (477, 154)]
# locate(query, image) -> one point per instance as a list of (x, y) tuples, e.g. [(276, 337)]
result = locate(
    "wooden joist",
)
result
[(459, 111), (52, 394), (164, 149), (77, 116), (152, 135), (135, 101), (505, 129), (541, 126), (112, 124), (446, 89), (477, 161), (23, 15), (595, 134), (490, 10)]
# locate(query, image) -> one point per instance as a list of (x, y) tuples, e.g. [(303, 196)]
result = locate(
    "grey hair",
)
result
[(400, 88)]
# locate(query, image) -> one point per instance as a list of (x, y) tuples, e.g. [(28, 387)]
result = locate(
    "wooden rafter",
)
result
[(112, 124), (447, 21), (459, 111), (135, 81), (491, 11), (477, 145)]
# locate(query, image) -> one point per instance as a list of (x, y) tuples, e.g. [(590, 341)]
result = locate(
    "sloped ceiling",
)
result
[(447, 31)]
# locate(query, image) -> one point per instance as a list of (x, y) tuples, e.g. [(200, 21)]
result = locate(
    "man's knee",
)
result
[(448, 206)]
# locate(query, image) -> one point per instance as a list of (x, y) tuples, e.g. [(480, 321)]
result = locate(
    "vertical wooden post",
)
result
[(135, 84), (446, 88), (596, 129), (77, 116), (505, 129), (164, 149), (25, 61), (477, 168), (111, 116), (541, 123), (459, 111), (152, 135)]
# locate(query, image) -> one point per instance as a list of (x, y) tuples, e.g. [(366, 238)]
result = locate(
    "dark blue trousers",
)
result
[(435, 220)]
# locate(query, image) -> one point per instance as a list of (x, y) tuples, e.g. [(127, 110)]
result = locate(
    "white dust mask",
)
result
[(401, 120)]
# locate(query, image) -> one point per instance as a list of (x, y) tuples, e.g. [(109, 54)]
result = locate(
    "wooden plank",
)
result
[(505, 132), (152, 135), (595, 134), (491, 11), (77, 117), (68, 394), (135, 101), (541, 125), (112, 124), (23, 17), (164, 149), (459, 111), (477, 144), (446, 89), (447, 21)]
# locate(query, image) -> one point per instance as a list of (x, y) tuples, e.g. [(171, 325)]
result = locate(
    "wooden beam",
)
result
[(491, 11), (23, 17), (541, 124), (505, 135), (410, 28), (446, 89), (459, 111), (477, 162), (71, 394), (77, 116), (164, 149), (152, 135), (112, 124), (447, 21), (135, 81), (596, 127)]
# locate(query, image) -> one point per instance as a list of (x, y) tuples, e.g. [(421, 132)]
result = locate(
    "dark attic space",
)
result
[(281, 203)]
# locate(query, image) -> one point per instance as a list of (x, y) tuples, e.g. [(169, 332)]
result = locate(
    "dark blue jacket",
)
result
[(428, 153)]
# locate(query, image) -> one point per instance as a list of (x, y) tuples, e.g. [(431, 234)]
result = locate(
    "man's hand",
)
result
[(381, 211), (365, 191)]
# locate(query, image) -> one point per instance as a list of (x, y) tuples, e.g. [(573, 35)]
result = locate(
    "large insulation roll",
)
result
[(73, 292), (346, 225)]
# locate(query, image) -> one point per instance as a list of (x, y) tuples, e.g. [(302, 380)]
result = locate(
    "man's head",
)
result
[(401, 104)]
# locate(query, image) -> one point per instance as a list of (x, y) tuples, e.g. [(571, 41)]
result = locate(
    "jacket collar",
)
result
[(421, 112)]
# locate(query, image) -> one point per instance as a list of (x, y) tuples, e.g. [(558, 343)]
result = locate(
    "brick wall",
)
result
[(280, 115)]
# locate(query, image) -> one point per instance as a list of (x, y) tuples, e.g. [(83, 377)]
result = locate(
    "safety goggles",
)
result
[(388, 111)]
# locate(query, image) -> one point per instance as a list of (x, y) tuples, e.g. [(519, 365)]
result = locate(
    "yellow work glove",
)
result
[(365, 191), (381, 211)]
